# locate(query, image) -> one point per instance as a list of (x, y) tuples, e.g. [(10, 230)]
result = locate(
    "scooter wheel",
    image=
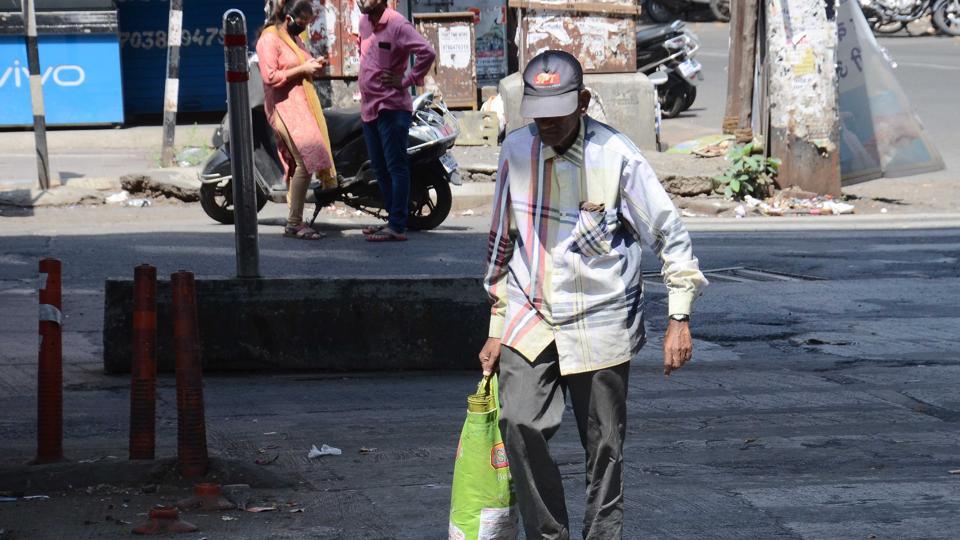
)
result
[(720, 10), (430, 198), (672, 101), (689, 97), (217, 201), (946, 17), (659, 12)]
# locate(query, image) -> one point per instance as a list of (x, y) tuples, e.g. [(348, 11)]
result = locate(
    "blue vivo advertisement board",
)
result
[(80, 76)]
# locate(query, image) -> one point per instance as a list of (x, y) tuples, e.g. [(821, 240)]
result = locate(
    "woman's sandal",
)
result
[(386, 235), (303, 232), (373, 229)]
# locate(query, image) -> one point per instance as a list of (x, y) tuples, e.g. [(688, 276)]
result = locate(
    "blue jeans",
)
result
[(387, 145)]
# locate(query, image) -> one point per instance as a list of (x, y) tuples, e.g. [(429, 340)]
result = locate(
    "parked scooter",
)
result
[(432, 133), (670, 49), (891, 16), (664, 11)]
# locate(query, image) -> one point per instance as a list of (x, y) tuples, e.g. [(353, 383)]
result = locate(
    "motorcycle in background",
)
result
[(433, 132), (892, 16), (669, 49)]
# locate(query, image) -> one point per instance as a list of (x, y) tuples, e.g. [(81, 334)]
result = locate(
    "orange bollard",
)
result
[(164, 520), (206, 497), (191, 427), (50, 366), (143, 368)]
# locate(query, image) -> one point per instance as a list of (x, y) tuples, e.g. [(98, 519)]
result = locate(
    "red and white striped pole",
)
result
[(241, 143), (50, 366)]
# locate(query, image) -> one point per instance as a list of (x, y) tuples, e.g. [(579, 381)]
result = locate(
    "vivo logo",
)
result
[(63, 75)]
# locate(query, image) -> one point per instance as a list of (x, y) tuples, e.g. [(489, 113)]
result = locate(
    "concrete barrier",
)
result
[(628, 102), (324, 324)]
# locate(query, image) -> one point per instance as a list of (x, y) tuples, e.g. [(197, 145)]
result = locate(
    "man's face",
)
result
[(370, 6), (556, 130)]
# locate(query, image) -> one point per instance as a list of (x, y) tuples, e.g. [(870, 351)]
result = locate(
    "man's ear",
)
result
[(584, 100)]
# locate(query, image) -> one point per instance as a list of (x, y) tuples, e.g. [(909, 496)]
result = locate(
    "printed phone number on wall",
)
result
[(201, 37)]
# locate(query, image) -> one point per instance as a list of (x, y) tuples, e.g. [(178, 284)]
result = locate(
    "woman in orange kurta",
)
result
[(293, 107)]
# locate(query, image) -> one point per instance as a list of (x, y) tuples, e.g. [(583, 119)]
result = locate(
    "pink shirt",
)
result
[(387, 47)]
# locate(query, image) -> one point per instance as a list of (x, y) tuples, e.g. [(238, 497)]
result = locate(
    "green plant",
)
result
[(747, 174)]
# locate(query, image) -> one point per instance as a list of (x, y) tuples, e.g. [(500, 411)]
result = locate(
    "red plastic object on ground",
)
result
[(191, 426), (164, 520), (206, 497), (50, 366), (143, 370)]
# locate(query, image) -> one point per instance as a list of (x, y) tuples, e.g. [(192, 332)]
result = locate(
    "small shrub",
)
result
[(747, 174)]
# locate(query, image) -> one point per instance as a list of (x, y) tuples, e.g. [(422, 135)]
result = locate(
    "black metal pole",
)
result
[(36, 95), (241, 143), (171, 91)]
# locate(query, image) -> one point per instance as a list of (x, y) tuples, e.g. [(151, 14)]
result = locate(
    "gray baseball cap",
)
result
[(551, 85)]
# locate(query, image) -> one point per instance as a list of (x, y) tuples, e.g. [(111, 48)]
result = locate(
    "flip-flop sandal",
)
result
[(386, 235), (303, 232), (373, 229)]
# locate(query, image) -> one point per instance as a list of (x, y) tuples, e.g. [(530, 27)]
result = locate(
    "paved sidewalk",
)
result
[(92, 160)]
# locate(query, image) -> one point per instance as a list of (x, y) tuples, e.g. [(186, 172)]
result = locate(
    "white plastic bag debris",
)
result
[(838, 207), (118, 197), (323, 451)]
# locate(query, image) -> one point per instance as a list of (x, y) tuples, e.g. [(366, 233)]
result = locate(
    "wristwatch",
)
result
[(680, 318)]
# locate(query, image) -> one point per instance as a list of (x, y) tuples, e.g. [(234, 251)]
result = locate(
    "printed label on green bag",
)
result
[(498, 457)]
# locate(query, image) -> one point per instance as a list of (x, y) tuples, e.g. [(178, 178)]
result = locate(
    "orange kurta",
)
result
[(295, 100)]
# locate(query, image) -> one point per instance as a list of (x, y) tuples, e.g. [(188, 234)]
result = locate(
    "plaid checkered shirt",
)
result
[(563, 262)]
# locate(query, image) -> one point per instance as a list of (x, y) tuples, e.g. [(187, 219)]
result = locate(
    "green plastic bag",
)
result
[(482, 502)]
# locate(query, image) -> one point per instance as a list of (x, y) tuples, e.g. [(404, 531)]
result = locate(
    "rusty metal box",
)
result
[(601, 34), (454, 73)]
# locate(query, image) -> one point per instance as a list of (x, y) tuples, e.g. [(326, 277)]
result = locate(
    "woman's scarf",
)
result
[(327, 176)]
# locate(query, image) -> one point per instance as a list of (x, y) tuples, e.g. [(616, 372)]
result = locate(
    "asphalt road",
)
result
[(814, 409), (99, 242)]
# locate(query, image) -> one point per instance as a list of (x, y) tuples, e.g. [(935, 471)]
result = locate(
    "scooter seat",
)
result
[(342, 124), (655, 34)]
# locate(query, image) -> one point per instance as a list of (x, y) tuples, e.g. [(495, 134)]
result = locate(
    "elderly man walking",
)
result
[(574, 202)]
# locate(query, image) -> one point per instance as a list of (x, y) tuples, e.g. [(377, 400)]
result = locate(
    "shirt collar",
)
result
[(574, 154), (388, 13)]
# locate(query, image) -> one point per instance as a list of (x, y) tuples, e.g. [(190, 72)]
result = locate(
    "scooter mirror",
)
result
[(657, 78)]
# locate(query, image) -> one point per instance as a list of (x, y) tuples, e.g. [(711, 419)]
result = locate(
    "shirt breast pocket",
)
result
[(591, 235), (385, 54)]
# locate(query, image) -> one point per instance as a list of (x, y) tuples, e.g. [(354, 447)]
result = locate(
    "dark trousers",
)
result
[(386, 139), (532, 404)]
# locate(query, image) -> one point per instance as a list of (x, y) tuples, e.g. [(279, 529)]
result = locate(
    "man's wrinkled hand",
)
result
[(677, 346), (490, 355)]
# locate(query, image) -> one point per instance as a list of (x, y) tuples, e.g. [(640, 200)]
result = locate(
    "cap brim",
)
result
[(549, 106)]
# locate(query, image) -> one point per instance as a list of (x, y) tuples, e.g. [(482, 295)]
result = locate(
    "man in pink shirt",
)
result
[(387, 40)]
